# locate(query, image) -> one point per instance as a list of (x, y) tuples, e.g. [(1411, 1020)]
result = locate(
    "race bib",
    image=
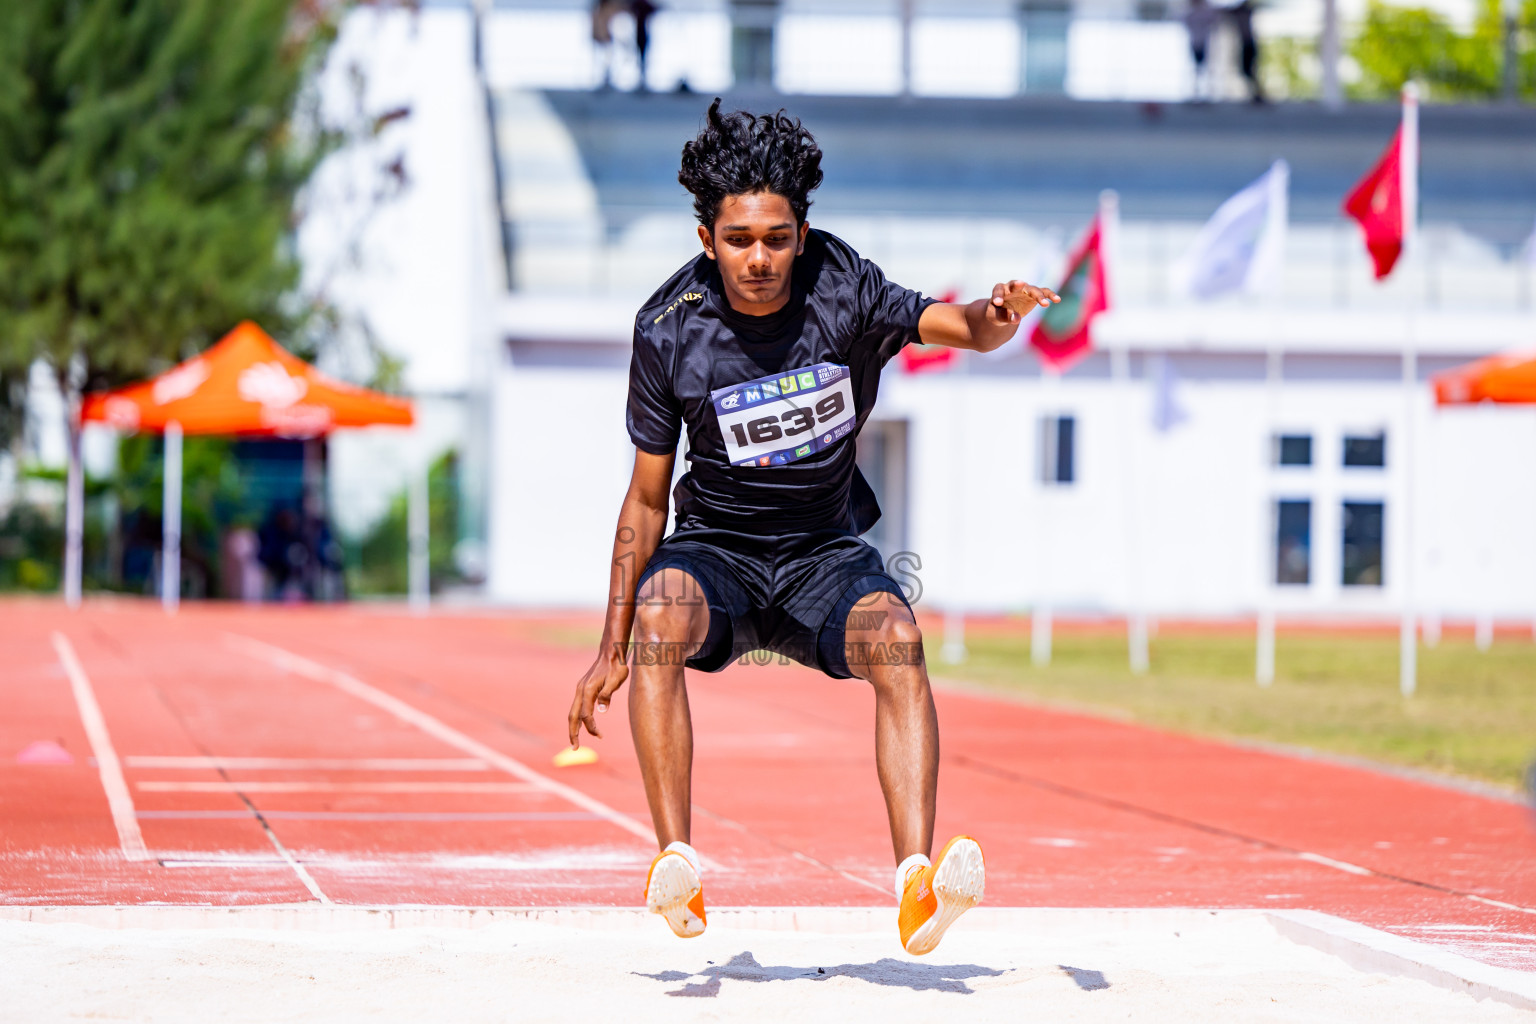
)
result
[(774, 420)]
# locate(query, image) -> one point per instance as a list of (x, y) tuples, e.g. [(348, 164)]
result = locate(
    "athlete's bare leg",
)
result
[(885, 647), (671, 621)]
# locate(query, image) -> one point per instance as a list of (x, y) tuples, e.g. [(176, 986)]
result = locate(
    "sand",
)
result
[(1159, 969)]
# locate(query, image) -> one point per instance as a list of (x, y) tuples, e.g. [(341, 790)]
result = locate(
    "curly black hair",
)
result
[(741, 153)]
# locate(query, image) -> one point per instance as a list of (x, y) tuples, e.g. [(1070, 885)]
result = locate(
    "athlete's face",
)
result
[(755, 241)]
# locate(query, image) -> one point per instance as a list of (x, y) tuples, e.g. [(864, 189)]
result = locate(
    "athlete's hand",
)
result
[(1012, 300), (596, 689)]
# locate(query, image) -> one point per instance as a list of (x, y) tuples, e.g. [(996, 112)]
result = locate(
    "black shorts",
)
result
[(788, 594)]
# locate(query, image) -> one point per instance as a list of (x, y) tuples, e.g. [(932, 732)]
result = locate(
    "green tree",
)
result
[(150, 154), (1396, 44), (149, 160)]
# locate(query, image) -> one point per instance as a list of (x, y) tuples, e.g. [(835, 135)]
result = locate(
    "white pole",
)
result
[(1040, 634), (1040, 622), (906, 46), (170, 549), (74, 504), (1264, 642), (418, 522), (953, 652), (1120, 378), (1328, 51), (1408, 674), (1483, 628), (1135, 614)]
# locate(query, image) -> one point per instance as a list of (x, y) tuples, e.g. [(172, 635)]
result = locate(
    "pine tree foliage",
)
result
[(150, 155)]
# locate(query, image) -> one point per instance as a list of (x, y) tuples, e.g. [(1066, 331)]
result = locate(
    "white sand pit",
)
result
[(168, 964)]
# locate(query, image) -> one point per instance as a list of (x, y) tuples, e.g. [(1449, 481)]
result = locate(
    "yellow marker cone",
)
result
[(572, 756)]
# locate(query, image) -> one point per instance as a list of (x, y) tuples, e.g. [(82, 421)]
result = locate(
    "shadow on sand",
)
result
[(1085, 979), (894, 973)]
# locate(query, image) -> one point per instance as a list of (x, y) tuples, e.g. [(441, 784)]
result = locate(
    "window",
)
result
[(1366, 450), (1293, 449), (1293, 542), (1363, 527), (1057, 464)]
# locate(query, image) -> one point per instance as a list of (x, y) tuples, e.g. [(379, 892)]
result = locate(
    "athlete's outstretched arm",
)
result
[(985, 324), (642, 521)]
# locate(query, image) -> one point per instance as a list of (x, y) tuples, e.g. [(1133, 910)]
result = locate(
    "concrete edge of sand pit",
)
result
[(1363, 948), (1371, 949), (314, 917)]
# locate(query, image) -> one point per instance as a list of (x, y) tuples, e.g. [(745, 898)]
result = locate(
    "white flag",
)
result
[(1242, 246)]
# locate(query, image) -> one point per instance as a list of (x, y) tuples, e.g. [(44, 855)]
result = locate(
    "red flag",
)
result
[(1063, 334), (1377, 203), (920, 358)]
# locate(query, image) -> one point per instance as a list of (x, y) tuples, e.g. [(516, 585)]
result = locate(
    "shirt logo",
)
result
[(731, 400), (687, 297)]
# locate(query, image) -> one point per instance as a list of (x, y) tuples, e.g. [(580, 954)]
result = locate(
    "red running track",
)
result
[(365, 756)]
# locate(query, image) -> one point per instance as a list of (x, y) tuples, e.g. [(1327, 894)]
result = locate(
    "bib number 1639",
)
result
[(790, 422)]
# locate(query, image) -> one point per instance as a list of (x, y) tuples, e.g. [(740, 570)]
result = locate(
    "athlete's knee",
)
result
[(668, 598), (904, 632), (668, 623), (662, 622), (891, 655)]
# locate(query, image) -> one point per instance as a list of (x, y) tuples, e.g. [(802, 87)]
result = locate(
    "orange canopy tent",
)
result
[(1509, 378), (246, 385)]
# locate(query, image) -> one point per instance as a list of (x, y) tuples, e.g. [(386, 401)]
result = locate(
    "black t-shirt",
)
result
[(767, 399)]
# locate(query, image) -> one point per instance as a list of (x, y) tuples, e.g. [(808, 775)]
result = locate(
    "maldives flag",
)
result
[(1377, 203), (920, 358), (1063, 335)]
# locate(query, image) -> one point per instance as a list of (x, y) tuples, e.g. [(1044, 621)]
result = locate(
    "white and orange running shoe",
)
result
[(935, 895), (674, 890)]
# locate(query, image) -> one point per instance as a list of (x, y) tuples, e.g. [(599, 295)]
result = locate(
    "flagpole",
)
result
[(418, 516), (1040, 625), (170, 548), (1120, 382), (1264, 645), (1409, 162), (953, 652), (1274, 378), (74, 501), (1135, 613)]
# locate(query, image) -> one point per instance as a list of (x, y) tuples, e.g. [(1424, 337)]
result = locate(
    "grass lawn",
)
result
[(1474, 714)]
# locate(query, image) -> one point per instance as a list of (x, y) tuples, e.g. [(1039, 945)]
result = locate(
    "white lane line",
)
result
[(411, 715), (158, 786), (1329, 862), (291, 860), (299, 764), (118, 798), (1501, 904)]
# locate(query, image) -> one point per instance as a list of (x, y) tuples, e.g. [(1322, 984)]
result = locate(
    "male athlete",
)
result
[(768, 346)]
